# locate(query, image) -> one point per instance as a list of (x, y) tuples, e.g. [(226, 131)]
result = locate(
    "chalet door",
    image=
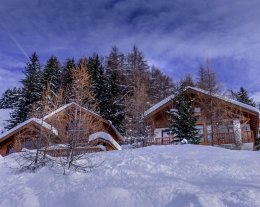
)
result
[(165, 136), (165, 133), (200, 135)]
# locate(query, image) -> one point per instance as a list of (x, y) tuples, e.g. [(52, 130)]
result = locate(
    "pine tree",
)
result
[(243, 97), (31, 92), (160, 86), (96, 71), (137, 99), (52, 75), (115, 84), (182, 119), (10, 98), (66, 78)]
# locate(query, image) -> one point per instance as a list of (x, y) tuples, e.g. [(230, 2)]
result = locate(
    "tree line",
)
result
[(123, 87)]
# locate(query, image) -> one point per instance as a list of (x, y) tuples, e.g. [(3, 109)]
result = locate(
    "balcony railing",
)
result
[(219, 138), (229, 138)]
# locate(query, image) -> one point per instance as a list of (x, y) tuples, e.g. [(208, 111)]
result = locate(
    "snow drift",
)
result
[(184, 175)]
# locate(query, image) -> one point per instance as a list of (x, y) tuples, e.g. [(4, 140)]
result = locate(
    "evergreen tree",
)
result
[(137, 99), (52, 75), (182, 119), (66, 78), (96, 71), (160, 86), (114, 102), (31, 92), (10, 98), (242, 96)]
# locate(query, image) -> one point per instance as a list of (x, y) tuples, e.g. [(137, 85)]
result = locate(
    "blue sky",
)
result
[(176, 36)]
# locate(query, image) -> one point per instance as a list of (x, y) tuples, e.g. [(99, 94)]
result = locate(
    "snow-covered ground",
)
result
[(185, 175)]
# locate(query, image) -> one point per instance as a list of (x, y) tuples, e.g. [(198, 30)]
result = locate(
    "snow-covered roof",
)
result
[(38, 121), (116, 131), (66, 106), (224, 98), (97, 115), (105, 136), (4, 116), (159, 104)]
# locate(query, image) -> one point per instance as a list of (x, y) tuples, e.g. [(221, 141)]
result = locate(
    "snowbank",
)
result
[(182, 175)]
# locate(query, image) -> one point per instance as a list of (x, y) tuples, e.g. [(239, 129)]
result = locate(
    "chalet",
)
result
[(94, 132), (241, 121)]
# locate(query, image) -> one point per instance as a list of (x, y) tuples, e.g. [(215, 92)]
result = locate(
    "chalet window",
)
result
[(230, 129), (246, 128), (197, 110), (165, 133), (73, 125), (223, 129), (209, 133), (200, 129)]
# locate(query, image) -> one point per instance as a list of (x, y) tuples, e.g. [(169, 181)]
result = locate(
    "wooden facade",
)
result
[(248, 116), (55, 127)]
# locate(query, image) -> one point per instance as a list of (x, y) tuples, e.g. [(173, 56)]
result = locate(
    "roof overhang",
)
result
[(165, 102), (35, 121)]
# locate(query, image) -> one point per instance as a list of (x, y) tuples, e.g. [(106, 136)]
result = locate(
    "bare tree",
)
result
[(223, 117), (77, 124), (207, 79), (36, 138)]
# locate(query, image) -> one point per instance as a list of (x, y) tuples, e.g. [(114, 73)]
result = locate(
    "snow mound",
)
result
[(156, 176), (105, 136)]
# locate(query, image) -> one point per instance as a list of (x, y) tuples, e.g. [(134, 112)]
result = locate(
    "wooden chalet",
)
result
[(56, 129), (241, 120)]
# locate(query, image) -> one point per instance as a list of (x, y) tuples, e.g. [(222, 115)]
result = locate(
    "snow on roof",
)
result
[(66, 106), (116, 131), (4, 116), (105, 136), (73, 103), (224, 98), (159, 104), (38, 121)]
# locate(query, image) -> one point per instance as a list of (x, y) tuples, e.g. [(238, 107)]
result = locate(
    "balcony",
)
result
[(229, 138), (219, 138)]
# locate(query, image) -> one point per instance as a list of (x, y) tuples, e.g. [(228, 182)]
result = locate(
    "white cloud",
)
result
[(175, 35)]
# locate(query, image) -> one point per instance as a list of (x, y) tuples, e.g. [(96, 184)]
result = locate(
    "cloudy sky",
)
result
[(175, 35)]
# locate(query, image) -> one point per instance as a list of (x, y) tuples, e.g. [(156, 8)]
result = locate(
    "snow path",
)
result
[(185, 175)]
